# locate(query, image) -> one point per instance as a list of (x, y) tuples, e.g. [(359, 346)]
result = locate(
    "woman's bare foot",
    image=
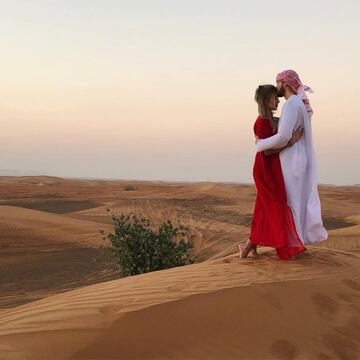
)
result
[(246, 248), (253, 252)]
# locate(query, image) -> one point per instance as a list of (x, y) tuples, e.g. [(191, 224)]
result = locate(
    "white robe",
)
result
[(299, 170)]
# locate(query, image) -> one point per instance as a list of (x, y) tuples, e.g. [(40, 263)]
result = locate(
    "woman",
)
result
[(272, 223)]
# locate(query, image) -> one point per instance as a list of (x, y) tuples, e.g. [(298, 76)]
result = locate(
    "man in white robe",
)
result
[(298, 162)]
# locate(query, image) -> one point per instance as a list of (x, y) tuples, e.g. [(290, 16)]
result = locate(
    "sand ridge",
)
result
[(91, 311), (26, 227)]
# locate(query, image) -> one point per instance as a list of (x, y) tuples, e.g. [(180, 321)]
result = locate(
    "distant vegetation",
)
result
[(129, 188), (332, 223), (138, 249)]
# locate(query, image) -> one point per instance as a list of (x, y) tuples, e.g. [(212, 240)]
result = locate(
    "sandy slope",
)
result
[(347, 238), (25, 228), (262, 308), (257, 309), (43, 253)]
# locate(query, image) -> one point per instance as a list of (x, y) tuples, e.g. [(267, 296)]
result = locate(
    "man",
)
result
[(298, 161)]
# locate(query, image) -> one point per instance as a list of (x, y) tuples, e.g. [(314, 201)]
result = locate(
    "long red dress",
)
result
[(273, 224)]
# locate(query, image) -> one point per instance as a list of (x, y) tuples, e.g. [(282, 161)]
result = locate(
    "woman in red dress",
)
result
[(272, 223)]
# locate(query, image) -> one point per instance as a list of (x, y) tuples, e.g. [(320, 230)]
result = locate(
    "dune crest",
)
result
[(323, 284)]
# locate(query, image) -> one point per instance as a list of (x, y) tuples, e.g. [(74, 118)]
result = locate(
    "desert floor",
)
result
[(62, 298)]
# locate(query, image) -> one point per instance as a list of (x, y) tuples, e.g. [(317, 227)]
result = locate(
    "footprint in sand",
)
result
[(323, 356), (352, 284), (343, 347), (304, 255), (178, 287), (268, 296), (344, 297), (213, 274), (350, 255), (110, 310), (283, 349), (327, 305)]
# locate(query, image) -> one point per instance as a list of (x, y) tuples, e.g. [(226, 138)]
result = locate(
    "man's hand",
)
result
[(297, 134)]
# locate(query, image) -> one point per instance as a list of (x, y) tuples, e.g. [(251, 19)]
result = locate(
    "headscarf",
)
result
[(291, 79)]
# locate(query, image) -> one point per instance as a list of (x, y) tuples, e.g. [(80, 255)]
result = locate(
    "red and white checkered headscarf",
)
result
[(291, 79)]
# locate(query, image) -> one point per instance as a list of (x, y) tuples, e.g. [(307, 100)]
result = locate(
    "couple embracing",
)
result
[(287, 213)]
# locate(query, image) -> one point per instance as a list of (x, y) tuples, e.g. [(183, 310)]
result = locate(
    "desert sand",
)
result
[(61, 298)]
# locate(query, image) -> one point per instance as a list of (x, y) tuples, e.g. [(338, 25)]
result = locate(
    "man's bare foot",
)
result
[(245, 249)]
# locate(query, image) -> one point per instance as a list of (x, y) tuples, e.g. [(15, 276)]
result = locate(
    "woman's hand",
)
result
[(297, 134), (256, 139)]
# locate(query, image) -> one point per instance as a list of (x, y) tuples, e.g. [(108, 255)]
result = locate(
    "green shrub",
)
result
[(138, 249)]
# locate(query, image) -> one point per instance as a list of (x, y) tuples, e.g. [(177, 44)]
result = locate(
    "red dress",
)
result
[(273, 224)]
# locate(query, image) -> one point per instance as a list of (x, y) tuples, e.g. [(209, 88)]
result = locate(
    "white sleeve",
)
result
[(286, 126)]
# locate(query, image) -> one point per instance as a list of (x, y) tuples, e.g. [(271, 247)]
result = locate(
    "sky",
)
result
[(164, 90)]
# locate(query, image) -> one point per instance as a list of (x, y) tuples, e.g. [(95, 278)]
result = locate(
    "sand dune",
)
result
[(265, 308), (261, 308), (347, 239), (27, 228), (42, 253)]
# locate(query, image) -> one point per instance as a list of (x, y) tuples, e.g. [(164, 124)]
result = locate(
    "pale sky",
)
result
[(164, 90)]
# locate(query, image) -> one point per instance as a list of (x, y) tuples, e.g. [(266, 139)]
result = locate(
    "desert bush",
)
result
[(139, 249)]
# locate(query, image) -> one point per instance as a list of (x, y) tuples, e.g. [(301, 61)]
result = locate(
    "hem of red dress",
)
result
[(284, 252)]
